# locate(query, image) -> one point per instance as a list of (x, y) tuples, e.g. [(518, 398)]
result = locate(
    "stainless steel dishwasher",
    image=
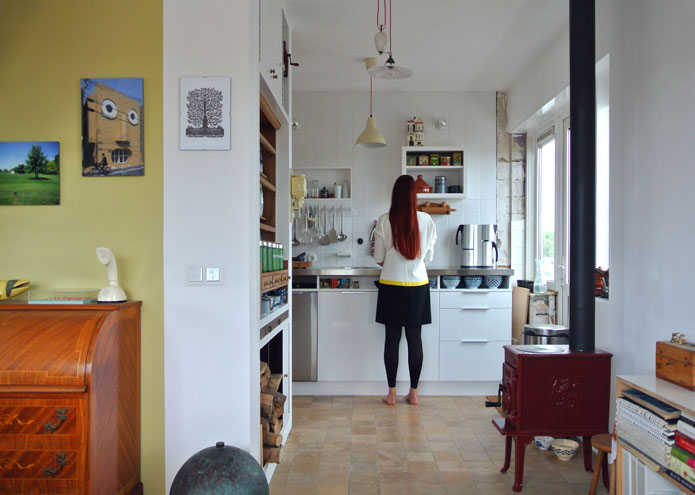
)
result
[(304, 336)]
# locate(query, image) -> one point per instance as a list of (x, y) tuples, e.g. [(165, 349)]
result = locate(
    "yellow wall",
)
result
[(46, 47)]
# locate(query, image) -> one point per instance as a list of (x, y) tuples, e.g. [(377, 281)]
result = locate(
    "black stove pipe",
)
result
[(582, 248)]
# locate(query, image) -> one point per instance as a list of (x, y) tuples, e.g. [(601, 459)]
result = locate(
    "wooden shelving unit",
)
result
[(269, 124)]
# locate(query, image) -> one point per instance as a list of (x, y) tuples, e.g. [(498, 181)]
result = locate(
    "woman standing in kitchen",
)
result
[(403, 242)]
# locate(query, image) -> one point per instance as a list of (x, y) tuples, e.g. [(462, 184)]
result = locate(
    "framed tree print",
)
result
[(205, 119)]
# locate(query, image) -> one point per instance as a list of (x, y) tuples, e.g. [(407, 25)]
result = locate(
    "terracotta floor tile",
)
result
[(334, 467), (301, 478), (328, 489), (424, 478), (393, 478), (395, 489), (304, 467), (367, 456), (363, 478), (429, 490), (421, 466), (299, 490), (332, 478), (362, 489), (426, 455), (363, 467), (397, 466), (456, 477), (463, 489)]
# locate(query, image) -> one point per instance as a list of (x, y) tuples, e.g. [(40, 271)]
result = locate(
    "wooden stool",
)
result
[(603, 445)]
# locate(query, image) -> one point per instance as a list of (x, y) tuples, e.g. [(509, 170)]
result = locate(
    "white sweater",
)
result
[(398, 270)]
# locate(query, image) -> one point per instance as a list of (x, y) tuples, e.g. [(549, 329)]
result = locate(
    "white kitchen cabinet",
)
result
[(410, 165), (351, 343), (471, 361), (271, 46), (474, 326)]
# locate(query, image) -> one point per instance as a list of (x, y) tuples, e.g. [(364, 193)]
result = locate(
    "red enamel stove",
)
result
[(552, 391)]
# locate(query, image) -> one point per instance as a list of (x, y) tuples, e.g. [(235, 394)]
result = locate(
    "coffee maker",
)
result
[(477, 245)]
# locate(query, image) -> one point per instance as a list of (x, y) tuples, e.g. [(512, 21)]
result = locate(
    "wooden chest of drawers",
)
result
[(70, 399)]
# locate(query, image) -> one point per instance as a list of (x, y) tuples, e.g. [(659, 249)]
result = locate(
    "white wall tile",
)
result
[(331, 123)]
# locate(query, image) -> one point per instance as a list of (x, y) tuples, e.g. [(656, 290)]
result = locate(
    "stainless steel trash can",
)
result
[(545, 334)]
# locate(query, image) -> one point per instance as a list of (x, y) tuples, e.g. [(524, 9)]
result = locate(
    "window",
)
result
[(120, 155), (545, 218)]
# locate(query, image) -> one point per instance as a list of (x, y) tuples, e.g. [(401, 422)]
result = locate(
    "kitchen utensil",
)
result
[(324, 239), (451, 281), (332, 234), (492, 281), (440, 184), (472, 281), (543, 443), (306, 237), (295, 242), (421, 186), (341, 236), (477, 245), (564, 448)]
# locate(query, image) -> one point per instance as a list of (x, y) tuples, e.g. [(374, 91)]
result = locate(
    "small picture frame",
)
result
[(445, 161), (457, 158), (423, 160)]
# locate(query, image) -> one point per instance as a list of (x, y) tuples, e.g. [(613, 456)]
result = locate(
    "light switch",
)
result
[(212, 274), (195, 274)]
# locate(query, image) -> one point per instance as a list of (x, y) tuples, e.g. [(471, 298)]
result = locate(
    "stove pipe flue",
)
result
[(582, 249)]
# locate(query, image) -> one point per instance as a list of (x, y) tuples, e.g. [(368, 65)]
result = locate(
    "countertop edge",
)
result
[(432, 272)]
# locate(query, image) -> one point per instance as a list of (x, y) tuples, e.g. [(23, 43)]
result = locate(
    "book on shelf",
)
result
[(685, 442), (683, 455), (687, 484), (682, 469), (686, 429), (658, 407)]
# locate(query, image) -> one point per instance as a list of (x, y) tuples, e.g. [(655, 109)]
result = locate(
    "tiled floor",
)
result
[(444, 445)]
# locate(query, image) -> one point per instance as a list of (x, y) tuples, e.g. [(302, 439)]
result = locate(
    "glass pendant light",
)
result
[(380, 39), (370, 137), (389, 70)]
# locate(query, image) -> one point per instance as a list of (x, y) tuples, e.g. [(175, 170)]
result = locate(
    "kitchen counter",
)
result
[(375, 272)]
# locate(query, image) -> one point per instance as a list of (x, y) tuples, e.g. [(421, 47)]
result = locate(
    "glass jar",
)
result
[(539, 284), (314, 192)]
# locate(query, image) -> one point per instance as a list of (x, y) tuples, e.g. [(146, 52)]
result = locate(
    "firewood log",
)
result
[(271, 454), (273, 440), (274, 382), (267, 404)]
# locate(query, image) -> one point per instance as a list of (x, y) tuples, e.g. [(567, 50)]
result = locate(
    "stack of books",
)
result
[(683, 451), (647, 425)]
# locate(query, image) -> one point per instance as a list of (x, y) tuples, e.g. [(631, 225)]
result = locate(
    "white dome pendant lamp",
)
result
[(389, 70), (370, 137)]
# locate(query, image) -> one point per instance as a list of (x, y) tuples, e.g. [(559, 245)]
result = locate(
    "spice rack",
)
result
[(454, 173)]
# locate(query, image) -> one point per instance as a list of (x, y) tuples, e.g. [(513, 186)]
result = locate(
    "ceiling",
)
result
[(451, 45)]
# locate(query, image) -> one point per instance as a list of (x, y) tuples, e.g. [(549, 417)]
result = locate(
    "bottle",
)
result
[(539, 284), (337, 190), (264, 259), (346, 189), (281, 256)]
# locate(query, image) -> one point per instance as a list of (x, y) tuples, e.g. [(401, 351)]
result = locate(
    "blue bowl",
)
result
[(472, 281), (451, 281), (492, 281)]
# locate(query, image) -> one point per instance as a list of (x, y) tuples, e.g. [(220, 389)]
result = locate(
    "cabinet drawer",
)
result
[(488, 324), (472, 299), (40, 417), (471, 362), (39, 465)]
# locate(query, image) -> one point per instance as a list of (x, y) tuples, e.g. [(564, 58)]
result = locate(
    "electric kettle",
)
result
[(477, 245)]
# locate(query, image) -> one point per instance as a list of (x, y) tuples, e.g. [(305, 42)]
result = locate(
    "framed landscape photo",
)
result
[(205, 118), (112, 127), (29, 173)]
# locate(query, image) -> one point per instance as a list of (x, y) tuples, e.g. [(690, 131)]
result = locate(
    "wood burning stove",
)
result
[(558, 394)]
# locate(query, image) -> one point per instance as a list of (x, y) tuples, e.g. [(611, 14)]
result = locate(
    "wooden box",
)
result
[(676, 363)]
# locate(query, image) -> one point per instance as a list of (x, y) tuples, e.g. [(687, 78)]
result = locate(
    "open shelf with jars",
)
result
[(431, 162)]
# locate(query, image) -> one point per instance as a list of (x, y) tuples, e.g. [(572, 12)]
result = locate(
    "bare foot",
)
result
[(390, 398), (412, 396)]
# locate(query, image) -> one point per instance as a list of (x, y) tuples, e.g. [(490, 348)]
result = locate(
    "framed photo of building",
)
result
[(112, 127), (205, 119)]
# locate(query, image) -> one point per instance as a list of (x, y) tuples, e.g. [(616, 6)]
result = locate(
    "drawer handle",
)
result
[(476, 308), (354, 292), (50, 471), (474, 341), (62, 415)]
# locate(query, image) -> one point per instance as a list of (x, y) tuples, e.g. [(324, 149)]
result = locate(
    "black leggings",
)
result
[(393, 339)]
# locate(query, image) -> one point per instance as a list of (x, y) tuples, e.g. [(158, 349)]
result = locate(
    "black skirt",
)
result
[(404, 305)]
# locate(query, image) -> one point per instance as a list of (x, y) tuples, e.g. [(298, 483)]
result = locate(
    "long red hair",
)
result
[(403, 217)]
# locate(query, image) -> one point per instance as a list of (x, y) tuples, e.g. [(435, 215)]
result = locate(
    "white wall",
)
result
[(330, 125), (652, 234), (210, 333)]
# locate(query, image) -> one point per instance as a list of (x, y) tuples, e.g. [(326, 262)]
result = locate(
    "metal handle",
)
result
[(62, 415), (354, 292), (474, 341), (476, 308), (51, 471)]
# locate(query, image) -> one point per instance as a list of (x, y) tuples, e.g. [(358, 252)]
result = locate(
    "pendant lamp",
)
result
[(370, 137), (389, 70)]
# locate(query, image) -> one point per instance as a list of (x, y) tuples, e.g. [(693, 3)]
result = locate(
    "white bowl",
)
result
[(564, 448), (451, 281), (543, 443)]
